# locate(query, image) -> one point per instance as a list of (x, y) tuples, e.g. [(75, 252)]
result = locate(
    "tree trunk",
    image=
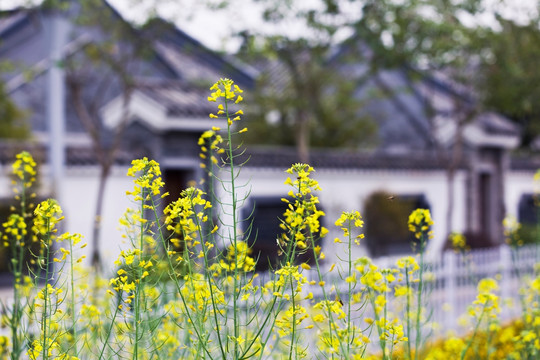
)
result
[(457, 153), (105, 155), (96, 230), (302, 137)]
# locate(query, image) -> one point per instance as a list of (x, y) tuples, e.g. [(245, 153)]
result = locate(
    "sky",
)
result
[(213, 27)]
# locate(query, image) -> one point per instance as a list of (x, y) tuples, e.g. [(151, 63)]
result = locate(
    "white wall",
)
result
[(346, 190), (76, 195), (518, 183), (78, 201), (342, 190)]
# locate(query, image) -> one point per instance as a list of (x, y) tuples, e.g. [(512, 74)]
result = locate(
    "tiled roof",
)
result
[(281, 158), (179, 99), (525, 163), (188, 65), (191, 60), (497, 124), (336, 159), (9, 18), (75, 156)]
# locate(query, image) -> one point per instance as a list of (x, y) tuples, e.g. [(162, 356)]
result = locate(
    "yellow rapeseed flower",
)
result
[(420, 223)]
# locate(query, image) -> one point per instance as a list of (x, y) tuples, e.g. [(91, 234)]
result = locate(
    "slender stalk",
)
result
[(419, 297), (349, 290), (331, 321), (408, 314), (475, 332), (377, 322), (385, 320), (293, 322), (234, 229), (17, 312), (74, 320), (179, 290), (44, 316), (17, 267), (110, 330)]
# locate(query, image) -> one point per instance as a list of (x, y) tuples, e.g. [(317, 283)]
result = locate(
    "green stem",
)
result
[(235, 230), (139, 282), (476, 327), (349, 290), (293, 332), (331, 320), (179, 290), (385, 319), (408, 314), (109, 331), (211, 286), (17, 253), (419, 297), (74, 320), (377, 322), (44, 326)]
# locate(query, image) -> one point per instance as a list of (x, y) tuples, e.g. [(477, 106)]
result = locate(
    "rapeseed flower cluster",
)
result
[(487, 301), (227, 90), (24, 168), (47, 214), (301, 219), (420, 223), (346, 221), (511, 231), (210, 143), (199, 295), (458, 241), (185, 216), (147, 181), (238, 257), (16, 229), (70, 241), (186, 287)]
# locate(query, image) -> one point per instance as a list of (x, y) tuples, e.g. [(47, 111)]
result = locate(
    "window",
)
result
[(6, 277), (386, 216), (176, 180), (263, 229), (528, 210), (528, 217)]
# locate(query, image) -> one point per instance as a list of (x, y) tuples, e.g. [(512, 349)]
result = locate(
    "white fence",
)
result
[(452, 280), (457, 276)]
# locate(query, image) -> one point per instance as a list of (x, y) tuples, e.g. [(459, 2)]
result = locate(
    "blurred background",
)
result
[(397, 104)]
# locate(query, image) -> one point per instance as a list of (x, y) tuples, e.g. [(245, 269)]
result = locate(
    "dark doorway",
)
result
[(177, 180), (262, 225), (485, 205)]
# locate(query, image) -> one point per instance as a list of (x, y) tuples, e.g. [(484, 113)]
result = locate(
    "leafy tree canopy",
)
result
[(315, 102), (12, 124), (511, 77)]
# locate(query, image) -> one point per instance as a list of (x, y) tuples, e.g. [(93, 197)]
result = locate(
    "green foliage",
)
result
[(527, 234), (512, 78), (12, 124), (315, 90), (428, 34), (299, 85)]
